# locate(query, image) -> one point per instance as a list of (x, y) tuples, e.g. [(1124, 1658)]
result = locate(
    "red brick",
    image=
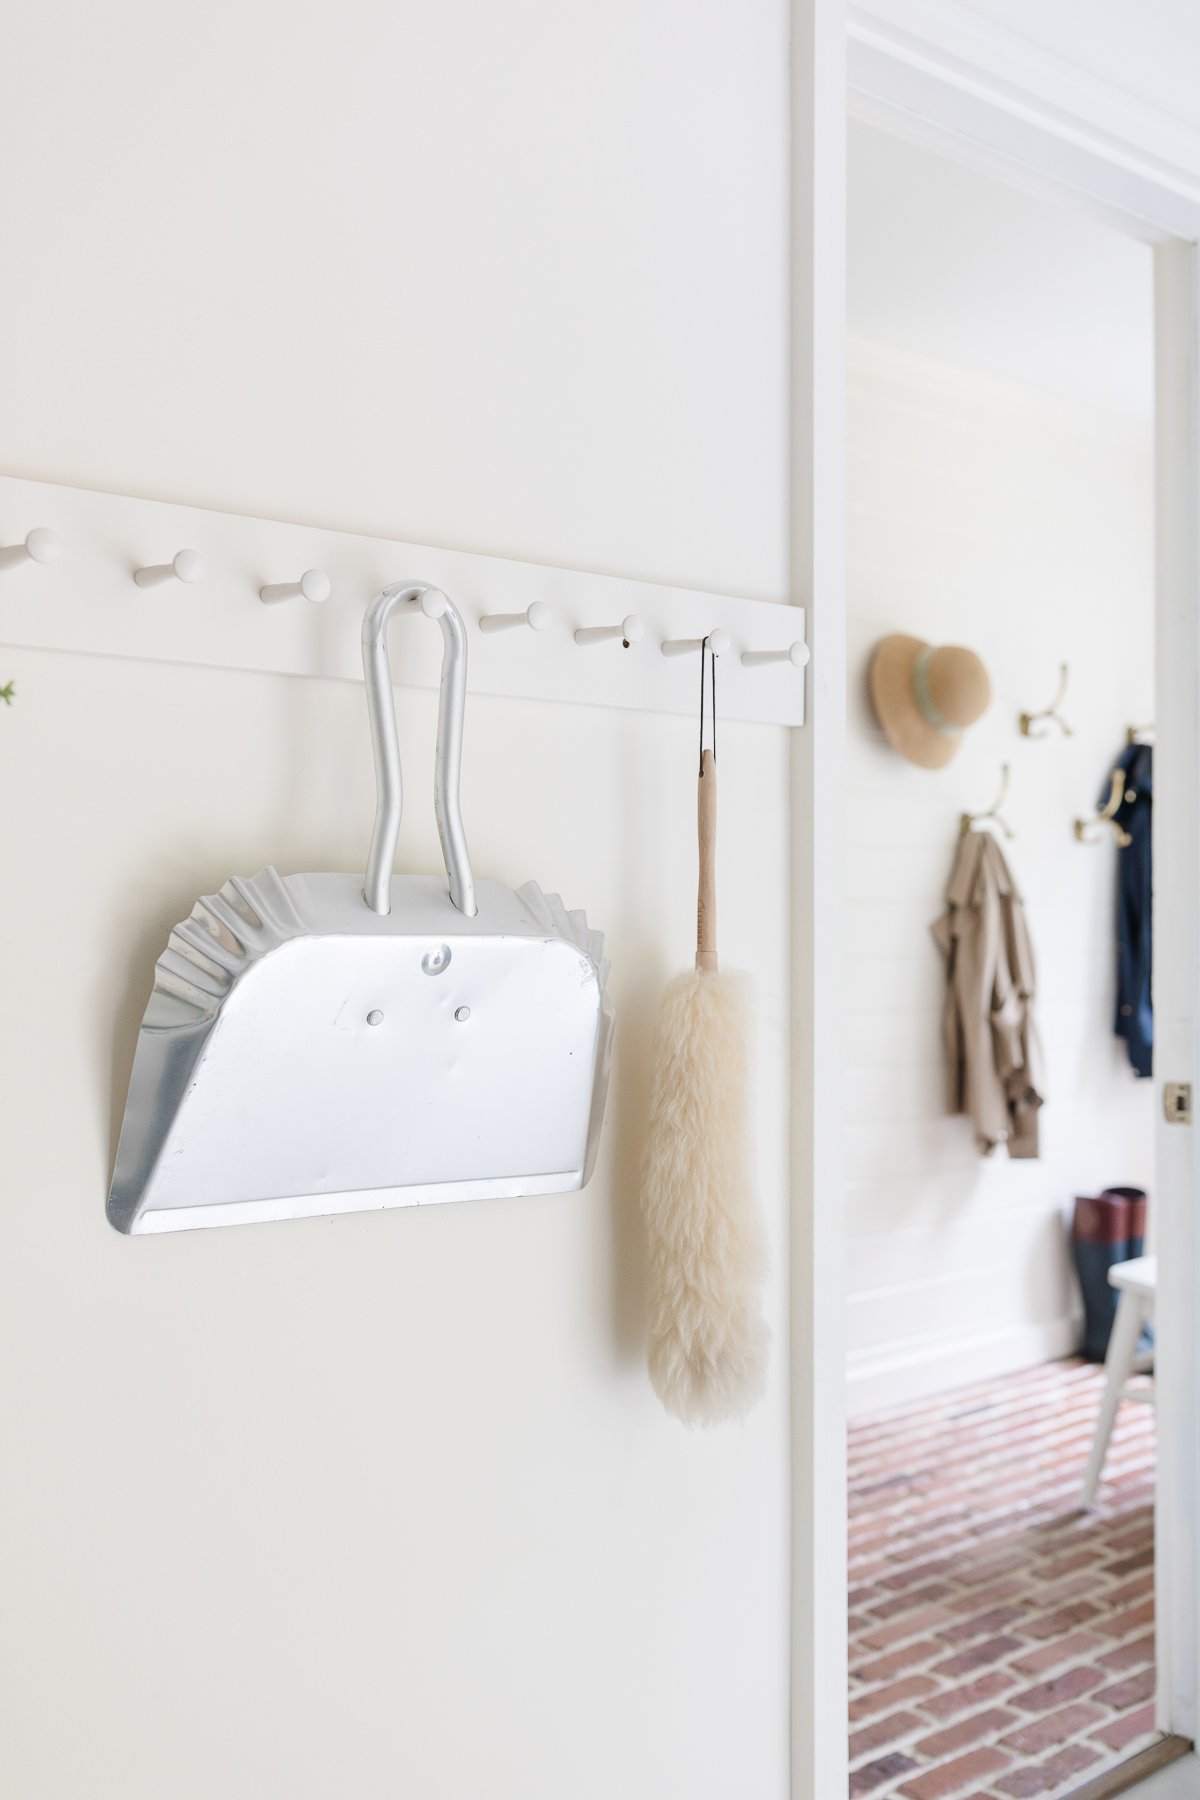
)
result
[(1140, 1588), (1142, 1559), (1120, 1625), (920, 1572), (1130, 1692), (964, 1733), (1135, 1486), (1123, 1732), (1070, 1761), (948, 1778), (984, 1625), (956, 1537), (1134, 1537), (1051, 1597), (1059, 1689), (869, 1571), (978, 1599), (886, 1731), (1131, 1655), (972, 1693), (874, 1775), (1062, 1650), (1057, 1624), (913, 1687), (1066, 1565), (866, 1548), (1021, 1784), (905, 1625), (979, 1656), (986, 1571), (898, 1603), (1053, 1728), (1043, 1778), (908, 1656)]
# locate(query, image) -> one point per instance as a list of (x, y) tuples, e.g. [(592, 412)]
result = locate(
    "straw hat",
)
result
[(925, 696)]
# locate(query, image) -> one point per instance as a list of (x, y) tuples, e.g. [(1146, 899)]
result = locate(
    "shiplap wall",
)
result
[(990, 515)]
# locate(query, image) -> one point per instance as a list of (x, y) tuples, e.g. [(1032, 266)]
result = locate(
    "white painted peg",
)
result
[(630, 631), (41, 546), (313, 585), (796, 654), (718, 643), (536, 616), (184, 566)]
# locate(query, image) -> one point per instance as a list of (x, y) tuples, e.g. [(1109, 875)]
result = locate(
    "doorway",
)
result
[(1001, 498)]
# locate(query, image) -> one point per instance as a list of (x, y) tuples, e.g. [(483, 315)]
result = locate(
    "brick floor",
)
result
[(1001, 1639)]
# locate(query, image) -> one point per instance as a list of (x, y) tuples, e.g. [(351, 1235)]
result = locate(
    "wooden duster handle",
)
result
[(706, 901)]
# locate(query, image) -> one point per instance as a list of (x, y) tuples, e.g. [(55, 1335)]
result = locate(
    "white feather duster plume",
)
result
[(708, 1338)]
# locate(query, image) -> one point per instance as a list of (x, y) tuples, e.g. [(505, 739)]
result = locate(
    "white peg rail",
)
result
[(718, 643), (628, 632), (313, 585), (39, 546), (86, 602), (537, 617), (184, 566)]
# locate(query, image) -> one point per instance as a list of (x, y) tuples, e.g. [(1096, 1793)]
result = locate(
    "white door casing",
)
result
[(929, 68), (1177, 970), (817, 561)]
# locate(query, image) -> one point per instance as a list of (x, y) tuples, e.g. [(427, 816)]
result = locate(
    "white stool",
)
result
[(1135, 1282)]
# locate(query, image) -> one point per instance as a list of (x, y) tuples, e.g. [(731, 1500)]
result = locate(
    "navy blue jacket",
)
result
[(1135, 1016)]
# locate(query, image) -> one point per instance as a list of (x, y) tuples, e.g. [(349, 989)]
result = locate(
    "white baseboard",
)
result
[(1179, 1782), (889, 1375)]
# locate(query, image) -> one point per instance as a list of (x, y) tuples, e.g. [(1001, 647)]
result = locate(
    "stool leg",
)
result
[(1118, 1366)]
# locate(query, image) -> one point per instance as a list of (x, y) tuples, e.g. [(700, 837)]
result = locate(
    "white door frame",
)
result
[(931, 69), (817, 1362), (1177, 973)]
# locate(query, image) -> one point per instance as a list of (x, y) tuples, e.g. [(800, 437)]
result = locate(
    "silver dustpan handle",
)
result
[(381, 709)]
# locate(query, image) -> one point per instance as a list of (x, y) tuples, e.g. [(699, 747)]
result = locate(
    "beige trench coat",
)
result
[(991, 1037)]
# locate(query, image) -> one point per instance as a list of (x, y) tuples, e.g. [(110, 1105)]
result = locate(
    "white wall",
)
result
[(982, 272), (383, 1506), (987, 514)]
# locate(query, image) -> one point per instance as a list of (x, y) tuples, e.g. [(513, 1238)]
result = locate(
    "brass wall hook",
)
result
[(1091, 831), (1037, 724), (992, 816)]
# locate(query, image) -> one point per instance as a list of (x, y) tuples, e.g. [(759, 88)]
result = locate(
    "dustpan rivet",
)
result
[(375, 1017), (462, 1014), (437, 959)]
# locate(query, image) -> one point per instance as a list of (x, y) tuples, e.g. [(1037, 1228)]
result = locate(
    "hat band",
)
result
[(924, 698)]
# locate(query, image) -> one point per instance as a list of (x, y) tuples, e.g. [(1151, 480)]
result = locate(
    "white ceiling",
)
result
[(1148, 48), (951, 262)]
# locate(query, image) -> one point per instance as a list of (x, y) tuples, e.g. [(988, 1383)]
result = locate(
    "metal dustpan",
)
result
[(314, 1047)]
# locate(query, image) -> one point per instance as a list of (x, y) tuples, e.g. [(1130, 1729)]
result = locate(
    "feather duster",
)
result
[(708, 1338)]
